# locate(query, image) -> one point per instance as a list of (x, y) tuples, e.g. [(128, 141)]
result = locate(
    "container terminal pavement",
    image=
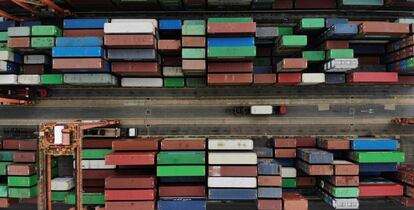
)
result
[(206, 104)]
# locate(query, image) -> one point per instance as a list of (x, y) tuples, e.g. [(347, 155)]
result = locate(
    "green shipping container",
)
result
[(288, 182), (174, 82), (23, 192), (59, 195), (51, 79), (3, 47), (345, 192), (314, 56), (362, 3), (231, 52), (43, 42), (193, 53), (18, 31), (312, 23), (262, 61), (3, 167), (284, 30), (194, 22), (6, 156), (294, 41), (46, 31), (193, 30), (230, 20), (195, 82), (378, 157), (181, 158), (21, 181), (3, 36), (410, 63), (4, 191), (88, 198), (95, 154), (340, 53), (168, 171)]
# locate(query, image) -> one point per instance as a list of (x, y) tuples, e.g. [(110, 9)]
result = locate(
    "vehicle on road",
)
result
[(260, 110)]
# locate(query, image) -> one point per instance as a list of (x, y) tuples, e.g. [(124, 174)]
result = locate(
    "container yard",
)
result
[(206, 104)]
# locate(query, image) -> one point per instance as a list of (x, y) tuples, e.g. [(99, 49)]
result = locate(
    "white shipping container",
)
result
[(313, 78), (232, 158), (129, 28), (153, 21), (342, 162), (3, 66), (345, 203), (172, 71), (230, 144), (232, 182), (36, 59), (27, 79), (90, 79), (341, 65), (261, 109), (6, 56), (8, 79), (63, 183), (141, 82), (95, 164), (288, 172)]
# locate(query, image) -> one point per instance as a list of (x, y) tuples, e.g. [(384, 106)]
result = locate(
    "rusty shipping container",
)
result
[(183, 144), (131, 158), (233, 28), (130, 205), (269, 204), (21, 169), (269, 181), (169, 45), (284, 142), (136, 68), (138, 144), (18, 42), (33, 69), (285, 153), (264, 79), (24, 157), (229, 79), (78, 63), (193, 41), (182, 191), (130, 41), (230, 67), (130, 182)]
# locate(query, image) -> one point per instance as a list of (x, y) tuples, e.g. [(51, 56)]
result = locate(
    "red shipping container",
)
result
[(282, 4), (194, 65), (284, 142), (136, 68), (292, 64), (130, 182), (229, 171), (24, 157), (33, 69), (405, 80), (130, 205), (229, 79), (21, 169), (264, 79), (18, 42), (335, 44), (372, 77), (230, 67), (130, 41), (131, 158), (245, 28), (130, 195), (380, 190), (98, 174), (138, 144), (193, 41), (289, 78), (269, 204), (305, 181), (335, 144), (269, 181), (78, 63), (182, 191), (383, 28), (185, 144), (346, 169), (11, 144), (305, 142), (345, 181), (285, 153), (407, 201), (294, 201), (7, 202), (169, 45), (97, 143), (315, 4), (84, 32)]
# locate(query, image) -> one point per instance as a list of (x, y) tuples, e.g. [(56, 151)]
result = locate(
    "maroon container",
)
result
[(7, 202), (335, 144), (318, 170), (336, 44), (98, 174), (171, 61), (264, 51), (24, 157), (130, 205), (97, 143), (176, 144), (131, 158), (21, 169), (305, 141), (269, 181), (369, 60), (194, 65), (284, 142), (93, 189), (346, 169), (18, 42), (130, 195), (11, 144), (84, 33), (130, 182), (242, 28), (283, 4), (294, 201), (383, 28), (28, 145), (33, 69), (306, 181), (182, 191), (130, 41), (285, 153), (289, 78), (406, 80), (264, 79), (229, 79), (315, 4), (229, 171), (193, 41), (93, 183), (269, 204), (138, 144), (343, 181), (136, 68), (293, 64), (169, 45), (230, 67), (78, 63)]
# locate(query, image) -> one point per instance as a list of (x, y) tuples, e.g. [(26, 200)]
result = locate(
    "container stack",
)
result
[(194, 41), (340, 190), (285, 155), (4, 37), (303, 180), (61, 188), (170, 44), (181, 167), (230, 51), (132, 50), (269, 185), (405, 175), (376, 156), (232, 170), (262, 64), (93, 160), (133, 187), (294, 201), (403, 62)]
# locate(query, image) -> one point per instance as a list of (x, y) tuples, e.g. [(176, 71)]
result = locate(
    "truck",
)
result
[(260, 110), (20, 95), (102, 133)]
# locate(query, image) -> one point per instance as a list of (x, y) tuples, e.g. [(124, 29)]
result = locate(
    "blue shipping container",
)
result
[(82, 52), (182, 204), (286, 162), (170, 24), (342, 31), (269, 192), (4, 25), (84, 23), (264, 152), (374, 144), (10, 68), (377, 167), (231, 42), (79, 42), (30, 23), (232, 194), (268, 167), (262, 70), (332, 21), (315, 156)]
